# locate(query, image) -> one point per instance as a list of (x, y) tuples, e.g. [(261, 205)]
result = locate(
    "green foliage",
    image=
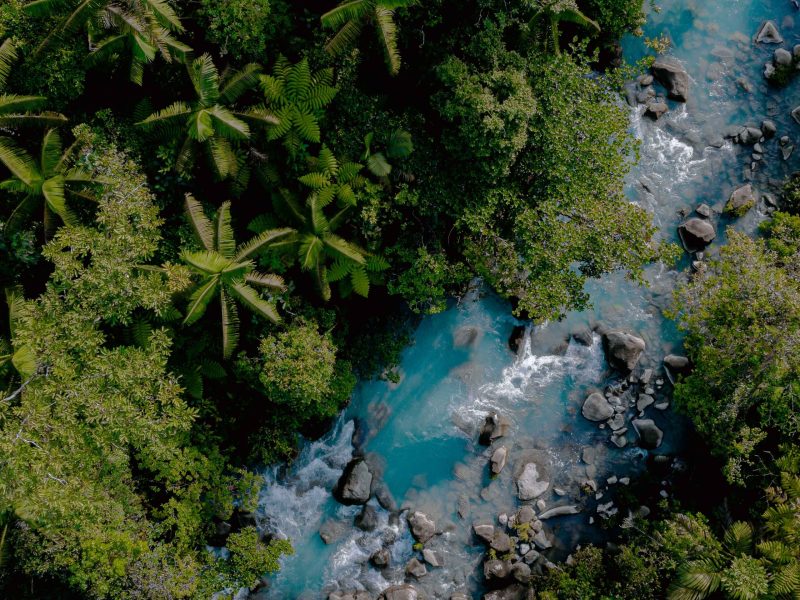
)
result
[(228, 271), (45, 182), (210, 121), (244, 28), (783, 236), (298, 97), (547, 18), (491, 113), (741, 317), (616, 17), (351, 16), (300, 369), (428, 280), (251, 558), (791, 195)]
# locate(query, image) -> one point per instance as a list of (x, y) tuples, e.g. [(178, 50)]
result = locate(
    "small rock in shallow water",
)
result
[(404, 591), (741, 200), (782, 58), (380, 558), (525, 515), (498, 460), (485, 531), (501, 542), (416, 569), (367, 519), (431, 557), (423, 528), (768, 128), (704, 210), (650, 436), (644, 401), (696, 234), (769, 34), (786, 152)]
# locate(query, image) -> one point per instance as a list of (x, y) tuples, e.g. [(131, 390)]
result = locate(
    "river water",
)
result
[(422, 433)]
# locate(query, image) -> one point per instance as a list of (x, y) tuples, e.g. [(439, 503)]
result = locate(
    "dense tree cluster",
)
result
[(212, 212)]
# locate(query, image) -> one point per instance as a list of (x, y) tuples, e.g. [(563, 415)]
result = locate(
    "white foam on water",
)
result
[(293, 506)]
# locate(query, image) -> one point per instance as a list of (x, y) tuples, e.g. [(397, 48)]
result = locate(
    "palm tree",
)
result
[(327, 256), (549, 14), (140, 29), (47, 182), (350, 17), (210, 121), (228, 270), (298, 98), (15, 109)]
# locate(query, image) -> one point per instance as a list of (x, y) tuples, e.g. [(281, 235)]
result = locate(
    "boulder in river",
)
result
[(673, 77), (676, 366), (655, 110), (367, 519), (597, 408), (514, 592), (529, 486), (332, 531), (696, 234), (516, 338), (768, 128), (416, 568), (355, 484), (423, 528), (559, 511), (741, 200), (485, 531), (404, 591), (496, 569), (380, 558), (501, 542), (349, 595), (465, 336), (769, 34), (650, 436), (494, 426), (622, 350), (583, 336), (432, 557), (521, 572), (498, 460)]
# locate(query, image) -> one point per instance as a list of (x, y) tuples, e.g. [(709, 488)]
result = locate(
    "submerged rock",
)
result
[(431, 557), (367, 519), (673, 77), (655, 110), (380, 558), (355, 483), (423, 528), (597, 408), (650, 436), (768, 34), (465, 336), (332, 531), (529, 486), (623, 350), (696, 234)]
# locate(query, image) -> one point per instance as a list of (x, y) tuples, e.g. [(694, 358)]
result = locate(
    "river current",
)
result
[(423, 432)]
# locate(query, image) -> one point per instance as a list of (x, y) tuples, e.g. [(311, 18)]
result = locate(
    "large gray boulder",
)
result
[(650, 436), (622, 350), (498, 460), (677, 366), (597, 408), (673, 77), (496, 569), (741, 200), (501, 542), (485, 531), (494, 426), (401, 592), (367, 519), (696, 234), (423, 528), (529, 484), (355, 483)]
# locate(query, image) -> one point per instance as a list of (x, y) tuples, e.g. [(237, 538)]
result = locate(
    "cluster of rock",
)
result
[(671, 76), (784, 62)]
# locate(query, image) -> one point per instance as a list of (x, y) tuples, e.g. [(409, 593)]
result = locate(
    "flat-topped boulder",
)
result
[(696, 234), (673, 77), (401, 592), (531, 483), (597, 408), (423, 528), (623, 350)]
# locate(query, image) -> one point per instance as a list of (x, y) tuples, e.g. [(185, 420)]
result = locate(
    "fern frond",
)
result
[(250, 297), (238, 82), (230, 324), (271, 237), (387, 35), (201, 224), (225, 243)]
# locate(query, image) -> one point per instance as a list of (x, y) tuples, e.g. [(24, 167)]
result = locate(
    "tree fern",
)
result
[(298, 98)]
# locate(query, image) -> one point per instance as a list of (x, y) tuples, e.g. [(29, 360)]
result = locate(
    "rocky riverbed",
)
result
[(504, 447)]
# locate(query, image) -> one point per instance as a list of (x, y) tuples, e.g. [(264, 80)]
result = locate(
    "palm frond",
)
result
[(204, 262), (205, 79), (739, 538), (18, 161), (225, 242), (345, 38), (230, 324), (201, 224), (387, 35), (223, 157), (254, 302), (344, 248), (347, 12), (53, 192), (51, 152), (8, 56), (227, 125), (198, 301), (265, 239), (238, 82), (267, 280)]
